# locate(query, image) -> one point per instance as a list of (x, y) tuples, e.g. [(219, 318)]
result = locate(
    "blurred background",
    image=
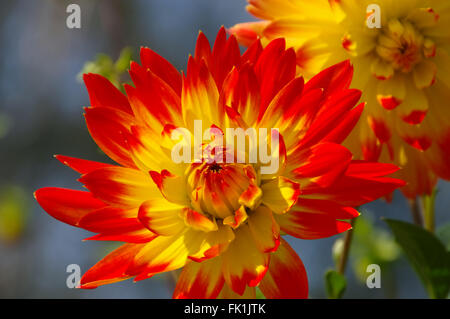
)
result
[(41, 100)]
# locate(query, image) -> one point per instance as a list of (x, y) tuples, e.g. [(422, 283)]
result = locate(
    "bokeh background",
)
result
[(41, 103)]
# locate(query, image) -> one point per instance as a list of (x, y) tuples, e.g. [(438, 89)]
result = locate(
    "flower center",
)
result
[(215, 188), (401, 45)]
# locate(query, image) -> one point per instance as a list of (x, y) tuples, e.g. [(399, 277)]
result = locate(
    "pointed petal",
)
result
[(80, 165), (370, 169), (248, 32), (354, 190), (241, 92), (66, 205), (334, 110), (162, 68), (120, 186), (111, 268), (116, 224), (321, 164), (305, 225), (333, 79), (106, 126), (243, 263), (200, 95), (325, 207), (165, 253), (200, 280), (286, 277), (153, 101), (103, 93), (274, 69)]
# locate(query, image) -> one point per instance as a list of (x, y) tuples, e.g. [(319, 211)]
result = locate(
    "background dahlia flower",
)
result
[(221, 222), (402, 68)]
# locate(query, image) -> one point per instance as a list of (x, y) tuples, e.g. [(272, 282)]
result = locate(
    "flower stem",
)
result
[(346, 250), (428, 206), (416, 211)]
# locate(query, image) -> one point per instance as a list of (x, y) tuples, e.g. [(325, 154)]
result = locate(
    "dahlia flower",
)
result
[(221, 222), (403, 69)]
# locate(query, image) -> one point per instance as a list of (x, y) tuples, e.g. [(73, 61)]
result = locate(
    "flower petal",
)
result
[(200, 280), (213, 244), (198, 221), (162, 217), (80, 165), (165, 253), (228, 293), (321, 164), (243, 263), (153, 101), (66, 205), (264, 229), (355, 190), (325, 207), (106, 126), (103, 93), (248, 32), (120, 186), (280, 194), (111, 268), (172, 187), (286, 277), (333, 79), (305, 225), (234, 221), (274, 69), (162, 68), (334, 110), (116, 224)]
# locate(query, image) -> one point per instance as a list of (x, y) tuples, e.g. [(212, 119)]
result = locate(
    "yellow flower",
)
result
[(403, 69)]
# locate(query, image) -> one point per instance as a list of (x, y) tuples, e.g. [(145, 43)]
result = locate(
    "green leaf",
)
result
[(443, 233), (427, 255), (105, 66), (123, 62), (335, 284), (428, 206)]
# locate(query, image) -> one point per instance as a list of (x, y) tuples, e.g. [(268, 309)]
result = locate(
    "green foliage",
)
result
[(105, 66), (259, 294), (371, 245), (427, 255), (443, 233), (335, 284), (13, 213)]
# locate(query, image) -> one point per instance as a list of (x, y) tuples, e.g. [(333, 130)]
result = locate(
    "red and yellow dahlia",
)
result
[(403, 69), (220, 221)]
